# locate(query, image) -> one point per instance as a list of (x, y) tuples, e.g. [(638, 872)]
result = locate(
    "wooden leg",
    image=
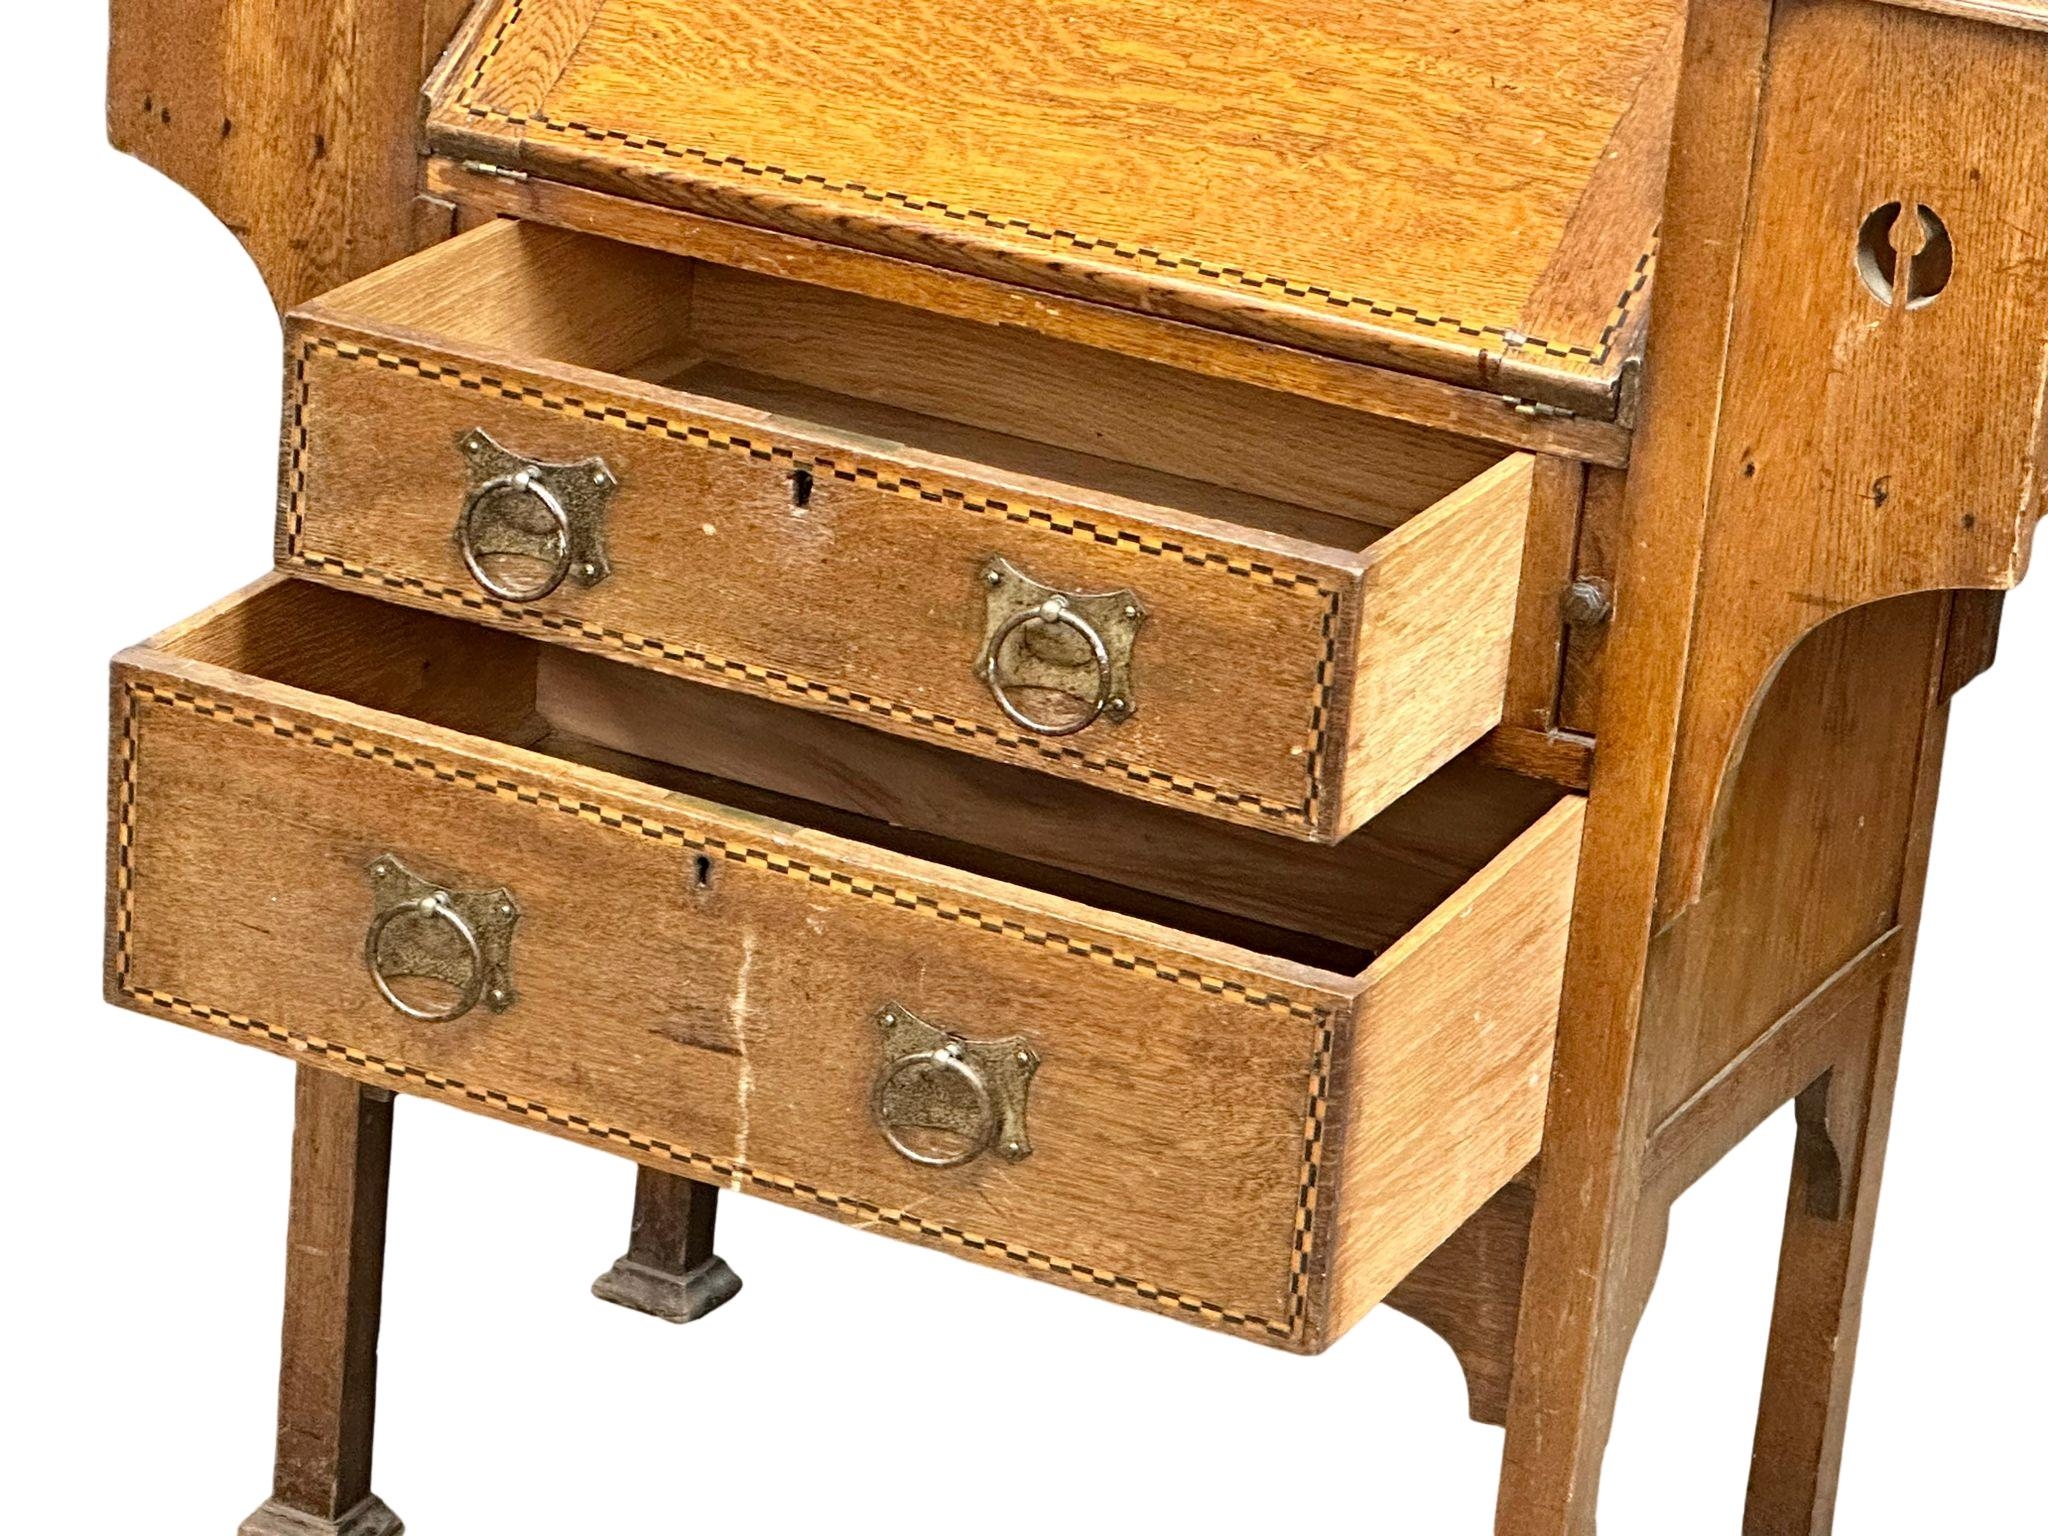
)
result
[(1844, 1127), (1559, 1420), (1837, 1166), (334, 1277), (668, 1270)]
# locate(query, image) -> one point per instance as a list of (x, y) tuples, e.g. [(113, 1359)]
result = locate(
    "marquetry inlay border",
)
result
[(727, 163), (140, 695), (776, 681)]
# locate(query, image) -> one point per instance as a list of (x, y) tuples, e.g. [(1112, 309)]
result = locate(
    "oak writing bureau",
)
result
[(1250, 658)]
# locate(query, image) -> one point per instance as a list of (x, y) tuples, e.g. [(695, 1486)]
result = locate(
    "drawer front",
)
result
[(704, 991), (862, 589)]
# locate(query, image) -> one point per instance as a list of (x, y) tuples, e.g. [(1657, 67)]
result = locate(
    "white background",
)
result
[(145, 1167)]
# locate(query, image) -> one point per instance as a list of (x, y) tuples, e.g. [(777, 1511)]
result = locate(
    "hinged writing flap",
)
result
[(1431, 187)]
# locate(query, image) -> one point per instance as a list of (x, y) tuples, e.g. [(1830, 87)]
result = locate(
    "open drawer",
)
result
[(357, 835), (1195, 592)]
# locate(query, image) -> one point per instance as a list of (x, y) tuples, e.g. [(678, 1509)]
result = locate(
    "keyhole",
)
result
[(1929, 265)]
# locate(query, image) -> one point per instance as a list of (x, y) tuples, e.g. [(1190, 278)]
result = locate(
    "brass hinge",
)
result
[(1537, 409), (1529, 388), (1518, 380), (485, 168)]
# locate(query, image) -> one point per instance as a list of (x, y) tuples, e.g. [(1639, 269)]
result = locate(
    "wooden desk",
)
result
[(1251, 659)]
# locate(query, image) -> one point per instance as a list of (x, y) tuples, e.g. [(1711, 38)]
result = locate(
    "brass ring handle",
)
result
[(1053, 611), (527, 482), (947, 1058), (434, 906)]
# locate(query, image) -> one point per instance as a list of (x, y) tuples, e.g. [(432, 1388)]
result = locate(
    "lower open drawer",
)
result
[(352, 834)]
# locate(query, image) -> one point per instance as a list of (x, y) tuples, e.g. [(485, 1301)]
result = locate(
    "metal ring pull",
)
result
[(1066, 643), (435, 906), (477, 963), (527, 482), (1053, 611), (946, 1059), (933, 1080), (574, 498)]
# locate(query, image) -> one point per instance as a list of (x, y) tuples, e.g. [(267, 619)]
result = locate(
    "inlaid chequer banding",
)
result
[(776, 680), (1136, 254), (137, 695)]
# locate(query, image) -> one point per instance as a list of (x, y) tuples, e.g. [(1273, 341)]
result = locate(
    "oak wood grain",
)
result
[(1471, 1130), (1549, 554), (1145, 267), (1592, 1243), (334, 1281), (667, 945), (1423, 689), (1831, 1205), (2030, 14), (1364, 892), (298, 125), (1299, 668), (1389, 183), (1092, 401), (670, 1269), (1915, 463), (1600, 535), (1479, 412), (1469, 1291)]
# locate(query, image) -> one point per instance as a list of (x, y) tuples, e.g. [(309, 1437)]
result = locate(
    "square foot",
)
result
[(372, 1517), (661, 1293)]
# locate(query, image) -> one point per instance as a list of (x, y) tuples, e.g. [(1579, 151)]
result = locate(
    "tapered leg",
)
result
[(1830, 1215), (334, 1276), (669, 1270)]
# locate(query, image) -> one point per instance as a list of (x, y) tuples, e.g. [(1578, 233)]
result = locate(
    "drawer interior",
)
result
[(723, 928), (912, 380), (1334, 908)]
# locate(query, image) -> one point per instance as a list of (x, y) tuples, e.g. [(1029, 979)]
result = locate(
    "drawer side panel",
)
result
[(1445, 1095), (1435, 637)]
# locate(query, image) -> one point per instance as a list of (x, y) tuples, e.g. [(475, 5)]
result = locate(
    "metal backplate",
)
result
[(414, 945), (1025, 648), (497, 525), (932, 1080)]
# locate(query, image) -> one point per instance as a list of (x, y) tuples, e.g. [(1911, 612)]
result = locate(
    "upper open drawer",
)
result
[(1208, 596), (1467, 190)]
